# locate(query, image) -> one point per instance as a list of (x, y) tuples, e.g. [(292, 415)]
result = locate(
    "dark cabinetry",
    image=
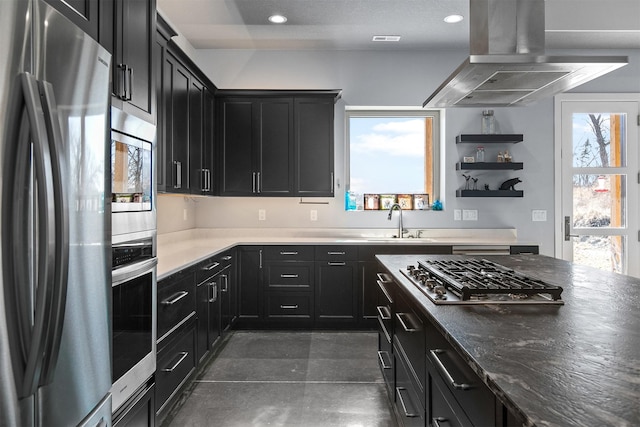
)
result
[(131, 43), (139, 411), (249, 284), (185, 107), (84, 13), (336, 285), (276, 143)]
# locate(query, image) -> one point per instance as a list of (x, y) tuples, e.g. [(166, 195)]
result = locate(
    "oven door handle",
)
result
[(132, 271)]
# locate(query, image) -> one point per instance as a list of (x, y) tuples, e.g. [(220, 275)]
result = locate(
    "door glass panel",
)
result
[(599, 140), (599, 201), (603, 252)]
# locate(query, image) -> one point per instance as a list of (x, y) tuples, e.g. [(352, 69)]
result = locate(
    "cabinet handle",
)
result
[(211, 266), (122, 82), (289, 276), (407, 414), (289, 307), (253, 182), (445, 372), (400, 316), (384, 312), (203, 184), (208, 180), (227, 258), (336, 253), (213, 292), (384, 290), (288, 252), (178, 182), (183, 355), (383, 363), (260, 258), (128, 97), (336, 263), (259, 184), (437, 422), (332, 182), (225, 283), (175, 298)]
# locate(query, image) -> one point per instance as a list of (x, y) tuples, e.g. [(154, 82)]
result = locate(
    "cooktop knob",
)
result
[(441, 292)]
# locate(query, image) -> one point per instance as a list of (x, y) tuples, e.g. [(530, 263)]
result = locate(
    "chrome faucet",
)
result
[(400, 228)]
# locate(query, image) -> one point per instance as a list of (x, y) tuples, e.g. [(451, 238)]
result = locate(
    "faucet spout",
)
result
[(399, 208)]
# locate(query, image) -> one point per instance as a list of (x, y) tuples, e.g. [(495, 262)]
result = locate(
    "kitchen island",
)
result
[(576, 364)]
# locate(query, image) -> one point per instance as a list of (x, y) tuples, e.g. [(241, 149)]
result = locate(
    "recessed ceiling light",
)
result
[(452, 19), (277, 19), (386, 38)]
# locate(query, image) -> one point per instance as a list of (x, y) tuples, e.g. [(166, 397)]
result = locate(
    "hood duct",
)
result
[(507, 65)]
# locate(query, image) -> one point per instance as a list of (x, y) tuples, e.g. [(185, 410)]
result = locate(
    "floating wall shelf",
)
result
[(489, 166), (489, 193), (502, 138)]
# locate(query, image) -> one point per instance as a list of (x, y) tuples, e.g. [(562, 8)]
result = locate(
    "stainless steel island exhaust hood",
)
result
[(507, 65)]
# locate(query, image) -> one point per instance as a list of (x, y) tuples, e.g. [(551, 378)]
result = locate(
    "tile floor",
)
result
[(287, 379)]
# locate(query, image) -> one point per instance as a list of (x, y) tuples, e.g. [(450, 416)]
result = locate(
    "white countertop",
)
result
[(183, 248)]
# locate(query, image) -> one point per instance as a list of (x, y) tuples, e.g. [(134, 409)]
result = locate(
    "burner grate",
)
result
[(473, 278)]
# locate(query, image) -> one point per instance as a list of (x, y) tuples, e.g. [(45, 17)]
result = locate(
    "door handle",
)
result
[(178, 181), (567, 229)]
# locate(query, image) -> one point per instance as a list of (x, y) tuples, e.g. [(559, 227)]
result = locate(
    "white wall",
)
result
[(400, 79)]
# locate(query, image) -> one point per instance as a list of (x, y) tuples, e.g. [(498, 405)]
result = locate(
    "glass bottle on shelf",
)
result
[(488, 122), (480, 154)]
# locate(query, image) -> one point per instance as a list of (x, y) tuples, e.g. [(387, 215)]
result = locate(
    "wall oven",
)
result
[(134, 313), (133, 194)]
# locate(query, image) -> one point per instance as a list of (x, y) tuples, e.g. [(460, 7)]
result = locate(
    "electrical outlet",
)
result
[(469, 215), (538, 215), (262, 215), (313, 215), (457, 215)]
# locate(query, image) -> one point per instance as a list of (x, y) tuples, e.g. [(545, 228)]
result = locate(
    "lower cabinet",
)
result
[(409, 402), (249, 286), (140, 412), (336, 286)]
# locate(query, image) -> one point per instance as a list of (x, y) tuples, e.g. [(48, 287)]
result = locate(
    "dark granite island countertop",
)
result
[(577, 364)]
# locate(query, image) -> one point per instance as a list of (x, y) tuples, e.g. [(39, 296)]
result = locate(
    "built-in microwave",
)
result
[(133, 194)]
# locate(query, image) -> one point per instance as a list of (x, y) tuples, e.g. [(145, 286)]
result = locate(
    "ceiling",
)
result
[(351, 24)]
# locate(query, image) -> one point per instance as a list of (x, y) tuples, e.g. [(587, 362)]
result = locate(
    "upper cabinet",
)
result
[(275, 143), (130, 37), (84, 13)]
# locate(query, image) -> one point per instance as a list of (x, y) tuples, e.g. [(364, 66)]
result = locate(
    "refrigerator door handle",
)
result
[(45, 251), (61, 227)]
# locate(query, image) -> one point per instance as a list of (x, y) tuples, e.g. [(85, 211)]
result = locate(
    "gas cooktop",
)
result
[(478, 281)]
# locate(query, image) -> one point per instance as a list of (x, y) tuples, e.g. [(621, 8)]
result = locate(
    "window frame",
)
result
[(387, 111)]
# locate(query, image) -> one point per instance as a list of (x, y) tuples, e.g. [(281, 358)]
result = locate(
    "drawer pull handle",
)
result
[(227, 258), (211, 267), (183, 355), (213, 288), (384, 278), (289, 276), (289, 307), (385, 291), (384, 312), (445, 372), (383, 362), (337, 263), (289, 253), (407, 414), (336, 253), (437, 422), (403, 323), (175, 298)]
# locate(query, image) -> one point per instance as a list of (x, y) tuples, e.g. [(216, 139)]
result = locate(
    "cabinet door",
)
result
[(83, 13), (161, 97), (275, 146), (336, 291), (236, 136), (197, 179), (208, 139), (249, 283), (208, 310), (314, 146), (138, 35), (177, 122)]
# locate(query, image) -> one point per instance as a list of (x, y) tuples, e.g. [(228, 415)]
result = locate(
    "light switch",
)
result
[(457, 215), (469, 215), (262, 215)]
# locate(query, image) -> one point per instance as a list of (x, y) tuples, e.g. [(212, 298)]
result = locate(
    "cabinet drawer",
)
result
[(292, 276), (470, 393), (336, 253), (288, 253), (385, 361), (445, 411), (409, 339), (176, 301), (280, 305), (175, 362), (408, 400)]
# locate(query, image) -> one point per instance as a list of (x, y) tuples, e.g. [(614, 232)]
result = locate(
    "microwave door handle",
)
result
[(45, 254), (61, 230)]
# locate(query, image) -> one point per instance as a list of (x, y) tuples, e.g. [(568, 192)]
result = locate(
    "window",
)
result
[(393, 156)]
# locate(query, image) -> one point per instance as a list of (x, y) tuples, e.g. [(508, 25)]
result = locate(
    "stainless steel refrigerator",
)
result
[(55, 281)]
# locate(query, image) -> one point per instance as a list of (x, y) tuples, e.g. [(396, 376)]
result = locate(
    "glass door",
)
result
[(599, 184)]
